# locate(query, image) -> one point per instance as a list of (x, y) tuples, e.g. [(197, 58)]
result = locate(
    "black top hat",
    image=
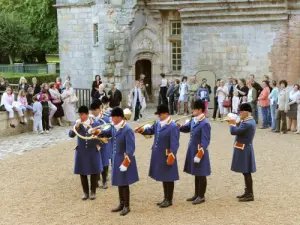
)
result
[(162, 109), (199, 104), (97, 102), (117, 112), (246, 107), (83, 109)]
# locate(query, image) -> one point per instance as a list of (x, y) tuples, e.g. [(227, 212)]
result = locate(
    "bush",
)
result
[(13, 78)]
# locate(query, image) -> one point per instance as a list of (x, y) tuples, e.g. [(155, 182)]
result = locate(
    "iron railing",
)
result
[(84, 97)]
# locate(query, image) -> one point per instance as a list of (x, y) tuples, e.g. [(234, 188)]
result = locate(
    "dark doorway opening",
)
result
[(144, 67)]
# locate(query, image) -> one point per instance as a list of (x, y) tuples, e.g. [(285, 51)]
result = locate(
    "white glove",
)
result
[(197, 160), (90, 131), (123, 168)]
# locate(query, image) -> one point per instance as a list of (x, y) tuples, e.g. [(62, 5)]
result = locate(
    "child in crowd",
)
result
[(235, 102), (45, 113), (29, 96), (37, 109), (23, 104)]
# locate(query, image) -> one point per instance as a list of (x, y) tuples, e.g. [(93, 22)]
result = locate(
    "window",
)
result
[(176, 55), (96, 33), (176, 28)]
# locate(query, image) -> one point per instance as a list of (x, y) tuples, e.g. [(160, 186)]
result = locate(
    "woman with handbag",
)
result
[(223, 101), (69, 99)]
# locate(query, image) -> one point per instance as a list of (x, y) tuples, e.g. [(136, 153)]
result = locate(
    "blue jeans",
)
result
[(256, 114), (273, 116), (265, 116)]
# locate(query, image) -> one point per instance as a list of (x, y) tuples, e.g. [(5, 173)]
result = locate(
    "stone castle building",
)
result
[(122, 39)]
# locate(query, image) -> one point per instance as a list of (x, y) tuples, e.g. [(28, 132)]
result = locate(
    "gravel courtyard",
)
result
[(39, 187)]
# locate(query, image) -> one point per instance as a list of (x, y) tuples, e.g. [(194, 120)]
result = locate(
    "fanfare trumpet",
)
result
[(151, 122)]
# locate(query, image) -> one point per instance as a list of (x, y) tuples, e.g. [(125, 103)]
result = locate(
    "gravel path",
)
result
[(39, 187)]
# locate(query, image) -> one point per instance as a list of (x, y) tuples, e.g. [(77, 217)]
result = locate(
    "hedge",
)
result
[(13, 78)]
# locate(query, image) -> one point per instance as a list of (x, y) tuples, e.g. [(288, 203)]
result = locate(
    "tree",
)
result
[(15, 37), (41, 18)]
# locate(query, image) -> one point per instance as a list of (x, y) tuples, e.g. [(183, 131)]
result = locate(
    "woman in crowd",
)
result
[(36, 87), (163, 90), (23, 84), (3, 85), (95, 86), (56, 100), (222, 93), (183, 95), (242, 89), (273, 104), (233, 88), (282, 107), (203, 94), (176, 95), (264, 103), (58, 84), (145, 97), (68, 105), (52, 107), (100, 93), (292, 112), (216, 105), (10, 106), (252, 97)]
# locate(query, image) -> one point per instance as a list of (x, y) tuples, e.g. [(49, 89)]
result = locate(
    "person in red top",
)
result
[(264, 103)]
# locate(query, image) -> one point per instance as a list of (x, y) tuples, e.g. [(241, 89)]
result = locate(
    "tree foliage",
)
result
[(15, 37), (41, 18)]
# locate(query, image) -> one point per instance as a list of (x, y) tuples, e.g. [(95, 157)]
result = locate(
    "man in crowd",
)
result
[(170, 96), (193, 88), (259, 89), (115, 96)]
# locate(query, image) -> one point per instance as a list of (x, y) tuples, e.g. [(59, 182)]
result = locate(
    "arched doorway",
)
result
[(144, 67), (211, 80)]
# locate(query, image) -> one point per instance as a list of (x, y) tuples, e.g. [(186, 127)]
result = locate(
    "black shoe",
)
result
[(118, 209), (125, 211), (243, 195), (141, 115), (23, 123), (198, 200), (191, 199), (85, 196), (159, 203), (93, 196), (12, 125), (165, 204), (247, 198)]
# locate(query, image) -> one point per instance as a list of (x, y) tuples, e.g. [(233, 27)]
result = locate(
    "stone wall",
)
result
[(231, 50)]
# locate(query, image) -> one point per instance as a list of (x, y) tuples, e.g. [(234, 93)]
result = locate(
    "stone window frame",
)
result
[(96, 33), (175, 41)]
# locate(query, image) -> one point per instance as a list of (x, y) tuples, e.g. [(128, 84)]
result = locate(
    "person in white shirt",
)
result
[(292, 112), (222, 93), (163, 90), (136, 95), (183, 95), (37, 110)]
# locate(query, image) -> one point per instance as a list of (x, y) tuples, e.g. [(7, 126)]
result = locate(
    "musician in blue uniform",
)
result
[(163, 164), (124, 170), (105, 147), (243, 160), (87, 155), (197, 161)]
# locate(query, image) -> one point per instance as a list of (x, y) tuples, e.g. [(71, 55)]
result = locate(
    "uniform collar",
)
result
[(120, 125), (247, 118), (199, 118), (165, 122)]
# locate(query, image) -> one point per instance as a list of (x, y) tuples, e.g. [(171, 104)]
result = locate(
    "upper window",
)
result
[(176, 28), (96, 33)]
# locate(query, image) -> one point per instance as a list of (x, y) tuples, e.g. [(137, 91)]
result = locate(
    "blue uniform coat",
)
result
[(166, 137), (200, 135), (123, 142), (243, 161), (87, 155), (105, 148)]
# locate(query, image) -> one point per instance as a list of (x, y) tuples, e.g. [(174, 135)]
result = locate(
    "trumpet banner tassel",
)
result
[(171, 159), (126, 161), (200, 152)]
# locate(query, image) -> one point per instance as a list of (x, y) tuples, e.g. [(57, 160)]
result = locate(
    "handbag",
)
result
[(74, 98), (227, 103)]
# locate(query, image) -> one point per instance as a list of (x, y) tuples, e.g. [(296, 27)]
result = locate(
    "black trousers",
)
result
[(200, 186), (163, 95), (216, 106), (45, 122), (248, 182), (124, 195), (137, 110), (171, 105), (168, 190), (85, 183), (104, 174)]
